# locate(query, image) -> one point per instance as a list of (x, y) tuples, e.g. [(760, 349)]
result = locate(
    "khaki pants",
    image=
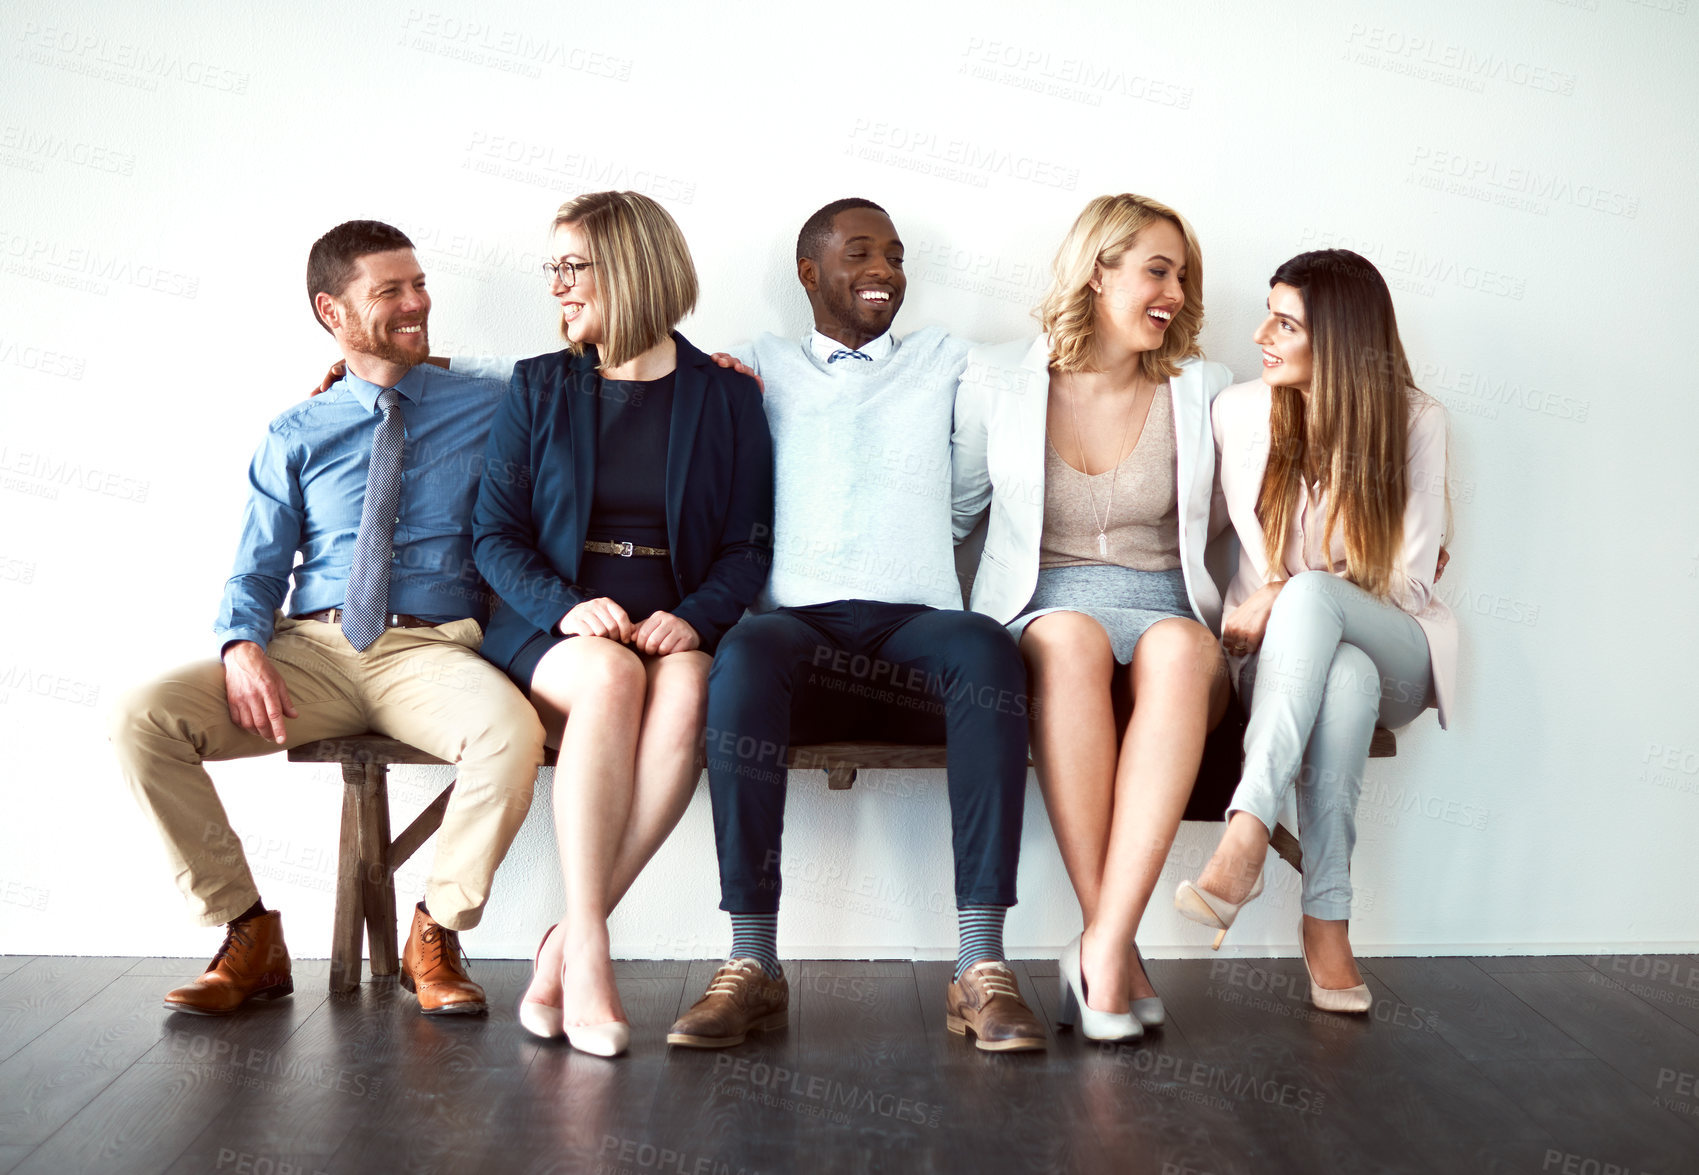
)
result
[(424, 686)]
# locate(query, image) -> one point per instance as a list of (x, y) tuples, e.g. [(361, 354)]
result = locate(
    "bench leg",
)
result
[(350, 903), (377, 881), (1284, 843)]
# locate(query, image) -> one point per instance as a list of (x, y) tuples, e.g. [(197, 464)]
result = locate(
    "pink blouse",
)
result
[(1240, 421)]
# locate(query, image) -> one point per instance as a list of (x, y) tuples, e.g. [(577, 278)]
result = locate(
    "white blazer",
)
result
[(997, 460)]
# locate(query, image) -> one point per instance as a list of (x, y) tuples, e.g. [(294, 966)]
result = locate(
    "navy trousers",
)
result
[(861, 669)]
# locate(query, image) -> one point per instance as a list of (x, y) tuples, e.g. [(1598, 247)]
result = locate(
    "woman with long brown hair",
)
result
[(1332, 471)]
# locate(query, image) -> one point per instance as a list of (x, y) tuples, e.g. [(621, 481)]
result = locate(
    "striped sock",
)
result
[(982, 935), (756, 936)]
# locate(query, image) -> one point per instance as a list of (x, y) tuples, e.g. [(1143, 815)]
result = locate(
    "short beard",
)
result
[(358, 338)]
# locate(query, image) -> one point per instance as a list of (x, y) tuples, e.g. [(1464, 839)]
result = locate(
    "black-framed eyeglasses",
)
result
[(566, 272)]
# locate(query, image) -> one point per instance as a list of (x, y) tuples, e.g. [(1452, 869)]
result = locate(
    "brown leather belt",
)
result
[(393, 620), (623, 550)]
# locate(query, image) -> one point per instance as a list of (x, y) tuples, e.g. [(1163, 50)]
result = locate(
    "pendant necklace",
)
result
[(1091, 494)]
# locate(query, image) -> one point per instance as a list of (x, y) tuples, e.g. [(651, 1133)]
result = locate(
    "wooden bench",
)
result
[(368, 857)]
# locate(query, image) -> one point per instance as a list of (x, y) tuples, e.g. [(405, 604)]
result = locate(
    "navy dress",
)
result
[(628, 505), (683, 463)]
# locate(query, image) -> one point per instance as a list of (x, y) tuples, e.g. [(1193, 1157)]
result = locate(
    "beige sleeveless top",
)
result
[(1143, 530)]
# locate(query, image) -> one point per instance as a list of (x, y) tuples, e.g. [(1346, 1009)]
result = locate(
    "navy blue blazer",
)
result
[(533, 511)]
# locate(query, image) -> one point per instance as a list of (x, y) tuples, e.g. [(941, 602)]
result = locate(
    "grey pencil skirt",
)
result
[(1123, 600)]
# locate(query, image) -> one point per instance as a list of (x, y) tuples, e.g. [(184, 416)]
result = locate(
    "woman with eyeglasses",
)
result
[(624, 520)]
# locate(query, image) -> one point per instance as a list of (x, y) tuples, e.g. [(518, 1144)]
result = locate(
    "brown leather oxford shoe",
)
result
[(741, 999), (986, 1001), (253, 964), (431, 968)]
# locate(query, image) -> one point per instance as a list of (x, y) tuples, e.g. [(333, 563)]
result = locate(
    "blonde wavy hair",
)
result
[(1101, 236), (643, 270)]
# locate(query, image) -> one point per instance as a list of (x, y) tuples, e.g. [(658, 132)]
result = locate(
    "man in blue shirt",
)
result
[(372, 484)]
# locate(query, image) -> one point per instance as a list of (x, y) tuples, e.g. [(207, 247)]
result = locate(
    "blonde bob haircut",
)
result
[(1101, 237), (643, 271)]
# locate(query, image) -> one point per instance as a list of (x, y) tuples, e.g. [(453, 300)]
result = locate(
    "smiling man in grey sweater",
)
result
[(860, 632)]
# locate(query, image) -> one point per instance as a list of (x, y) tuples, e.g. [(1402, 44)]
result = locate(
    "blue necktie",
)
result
[(846, 353), (367, 601)]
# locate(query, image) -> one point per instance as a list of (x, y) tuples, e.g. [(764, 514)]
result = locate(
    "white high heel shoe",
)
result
[(600, 1040), (608, 1039), (1353, 1000), (1217, 912), (1094, 1025), (541, 1019), (1149, 1011)]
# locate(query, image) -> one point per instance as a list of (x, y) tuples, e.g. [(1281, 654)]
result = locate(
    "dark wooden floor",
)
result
[(1575, 1066)]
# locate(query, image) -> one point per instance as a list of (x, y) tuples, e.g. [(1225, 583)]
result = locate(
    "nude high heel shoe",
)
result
[(600, 1040), (1150, 1011), (1094, 1025), (1352, 1000), (1206, 908), (608, 1039), (541, 1019)]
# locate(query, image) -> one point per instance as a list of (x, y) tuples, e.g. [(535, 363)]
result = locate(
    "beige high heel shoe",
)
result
[(1206, 908), (608, 1039), (541, 1020), (1352, 1000)]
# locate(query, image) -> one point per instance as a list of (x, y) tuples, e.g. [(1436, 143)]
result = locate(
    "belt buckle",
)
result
[(625, 550)]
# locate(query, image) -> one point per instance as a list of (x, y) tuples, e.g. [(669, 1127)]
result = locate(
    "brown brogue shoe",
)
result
[(986, 1001), (253, 964), (740, 1000), (432, 968)]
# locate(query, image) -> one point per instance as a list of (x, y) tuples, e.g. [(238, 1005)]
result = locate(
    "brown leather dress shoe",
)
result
[(740, 1000), (986, 1001), (431, 968), (253, 964)]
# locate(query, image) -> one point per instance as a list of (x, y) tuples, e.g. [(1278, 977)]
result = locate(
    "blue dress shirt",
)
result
[(307, 486)]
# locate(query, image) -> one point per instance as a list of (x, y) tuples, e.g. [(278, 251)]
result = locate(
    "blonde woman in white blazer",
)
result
[(1091, 448), (1332, 472)]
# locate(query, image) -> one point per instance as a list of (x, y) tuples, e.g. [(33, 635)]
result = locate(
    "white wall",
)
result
[(1522, 172)]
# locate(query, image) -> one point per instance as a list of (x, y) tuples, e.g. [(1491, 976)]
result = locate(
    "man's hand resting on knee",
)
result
[(259, 701)]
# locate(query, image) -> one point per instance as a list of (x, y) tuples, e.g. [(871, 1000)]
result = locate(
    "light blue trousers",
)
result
[(1334, 663)]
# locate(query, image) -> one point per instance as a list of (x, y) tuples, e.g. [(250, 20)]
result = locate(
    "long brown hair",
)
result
[(1351, 433)]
